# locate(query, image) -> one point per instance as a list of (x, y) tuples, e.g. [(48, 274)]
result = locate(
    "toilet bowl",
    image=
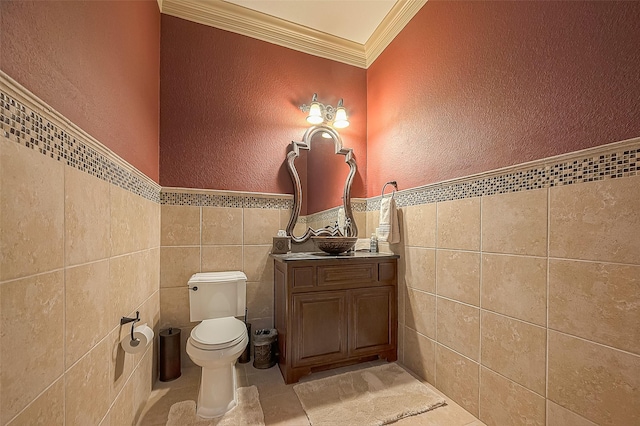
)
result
[(215, 345), (215, 299)]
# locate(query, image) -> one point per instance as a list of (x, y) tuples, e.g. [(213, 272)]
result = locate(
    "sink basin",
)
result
[(334, 245)]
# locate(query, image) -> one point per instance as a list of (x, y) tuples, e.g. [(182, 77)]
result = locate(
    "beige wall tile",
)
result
[(106, 421), (222, 225), (257, 323), (121, 364), (299, 229), (123, 410), (32, 310), (260, 299), (420, 268), (597, 301), (459, 224), (458, 275), (596, 382), (221, 258), (420, 355), (400, 344), (260, 225), (152, 220), (285, 215), (152, 263), (46, 410), (126, 277), (177, 264), (143, 277), (560, 416), (174, 307), (87, 312), (180, 226), (142, 382), (515, 286), (458, 327), (258, 266), (458, 378), (185, 361), (361, 222), (596, 221), (419, 225), (402, 292), (129, 227), (86, 215), (420, 312), (515, 223), (30, 243), (87, 388), (503, 402), (515, 349)]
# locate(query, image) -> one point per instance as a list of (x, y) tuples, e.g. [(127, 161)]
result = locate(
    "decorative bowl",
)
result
[(334, 245)]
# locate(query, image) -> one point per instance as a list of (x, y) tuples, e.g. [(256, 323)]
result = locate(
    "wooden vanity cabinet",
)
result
[(331, 312)]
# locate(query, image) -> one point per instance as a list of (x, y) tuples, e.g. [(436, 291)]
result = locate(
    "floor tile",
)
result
[(280, 404)]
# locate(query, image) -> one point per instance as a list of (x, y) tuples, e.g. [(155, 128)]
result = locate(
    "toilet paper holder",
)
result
[(133, 321)]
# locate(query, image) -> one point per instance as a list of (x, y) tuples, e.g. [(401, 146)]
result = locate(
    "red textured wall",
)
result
[(229, 108), (96, 62), (473, 86)]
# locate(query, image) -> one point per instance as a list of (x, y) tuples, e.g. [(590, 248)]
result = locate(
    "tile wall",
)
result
[(524, 307), (78, 251), (202, 238), (212, 231)]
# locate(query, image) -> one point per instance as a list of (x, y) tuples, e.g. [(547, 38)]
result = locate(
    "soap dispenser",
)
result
[(373, 243)]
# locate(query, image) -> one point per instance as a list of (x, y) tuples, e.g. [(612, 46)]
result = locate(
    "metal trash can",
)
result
[(170, 354), (246, 356), (265, 348)]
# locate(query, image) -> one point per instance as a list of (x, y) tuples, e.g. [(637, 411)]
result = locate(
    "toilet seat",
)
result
[(218, 333)]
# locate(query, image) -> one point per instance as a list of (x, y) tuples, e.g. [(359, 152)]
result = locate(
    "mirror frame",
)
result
[(328, 230)]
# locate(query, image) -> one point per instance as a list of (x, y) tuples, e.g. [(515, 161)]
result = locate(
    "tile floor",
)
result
[(279, 402)]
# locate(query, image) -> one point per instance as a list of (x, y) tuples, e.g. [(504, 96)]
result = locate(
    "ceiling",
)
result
[(348, 19), (354, 32)]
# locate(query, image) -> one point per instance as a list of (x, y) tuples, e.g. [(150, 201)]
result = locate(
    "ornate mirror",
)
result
[(322, 172)]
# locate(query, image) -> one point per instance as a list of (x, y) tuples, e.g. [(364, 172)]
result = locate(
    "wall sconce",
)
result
[(320, 113)]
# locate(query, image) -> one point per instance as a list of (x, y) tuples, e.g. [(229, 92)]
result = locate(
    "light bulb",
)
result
[(326, 135), (315, 114), (341, 118)]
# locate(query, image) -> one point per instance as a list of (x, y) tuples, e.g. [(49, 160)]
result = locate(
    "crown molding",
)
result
[(397, 18), (244, 21), (240, 20)]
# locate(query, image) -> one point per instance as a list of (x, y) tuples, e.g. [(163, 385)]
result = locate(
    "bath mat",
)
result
[(247, 412), (372, 396)]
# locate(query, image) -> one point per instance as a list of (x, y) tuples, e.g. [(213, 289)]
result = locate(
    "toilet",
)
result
[(215, 299)]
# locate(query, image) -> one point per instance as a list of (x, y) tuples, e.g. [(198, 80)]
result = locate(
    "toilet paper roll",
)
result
[(143, 335)]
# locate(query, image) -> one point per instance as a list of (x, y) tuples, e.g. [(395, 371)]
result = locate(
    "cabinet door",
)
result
[(373, 320), (319, 327)]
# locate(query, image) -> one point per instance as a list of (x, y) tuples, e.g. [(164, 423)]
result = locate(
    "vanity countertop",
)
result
[(290, 257)]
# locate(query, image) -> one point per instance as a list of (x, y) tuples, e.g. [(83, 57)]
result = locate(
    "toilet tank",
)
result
[(218, 295)]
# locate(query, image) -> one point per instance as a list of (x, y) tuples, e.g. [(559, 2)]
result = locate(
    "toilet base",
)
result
[(217, 393)]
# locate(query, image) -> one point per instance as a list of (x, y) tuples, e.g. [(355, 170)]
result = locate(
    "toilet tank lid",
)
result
[(217, 277)]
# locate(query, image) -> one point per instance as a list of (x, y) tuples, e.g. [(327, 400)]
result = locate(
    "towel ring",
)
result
[(392, 183)]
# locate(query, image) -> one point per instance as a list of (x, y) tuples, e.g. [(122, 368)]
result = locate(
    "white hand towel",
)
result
[(389, 228)]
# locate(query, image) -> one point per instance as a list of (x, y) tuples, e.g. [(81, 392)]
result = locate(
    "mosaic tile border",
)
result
[(32, 129), (616, 160), (35, 128), (612, 161), (234, 200)]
